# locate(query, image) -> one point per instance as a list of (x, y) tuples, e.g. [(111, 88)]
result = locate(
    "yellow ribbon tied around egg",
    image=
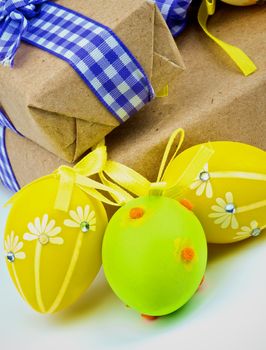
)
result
[(243, 62), (137, 184), (54, 231)]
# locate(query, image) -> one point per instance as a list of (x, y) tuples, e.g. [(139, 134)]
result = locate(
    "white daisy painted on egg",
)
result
[(224, 212), (84, 218), (202, 183), (44, 230), (249, 231), (13, 248)]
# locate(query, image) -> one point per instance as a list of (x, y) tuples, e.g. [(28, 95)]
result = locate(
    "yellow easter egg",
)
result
[(53, 256), (229, 194), (241, 2)]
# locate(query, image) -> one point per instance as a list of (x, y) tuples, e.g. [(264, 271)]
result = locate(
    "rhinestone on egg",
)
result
[(255, 232), (10, 256), (84, 226), (230, 208), (43, 239), (204, 176)]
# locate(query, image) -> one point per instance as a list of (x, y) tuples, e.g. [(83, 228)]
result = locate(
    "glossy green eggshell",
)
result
[(147, 260)]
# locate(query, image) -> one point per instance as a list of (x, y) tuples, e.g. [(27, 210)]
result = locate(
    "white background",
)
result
[(229, 312)]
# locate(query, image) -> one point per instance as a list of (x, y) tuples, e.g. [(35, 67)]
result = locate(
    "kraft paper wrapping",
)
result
[(211, 100), (50, 104)]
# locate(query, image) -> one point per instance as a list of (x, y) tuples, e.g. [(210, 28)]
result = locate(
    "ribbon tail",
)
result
[(10, 38), (191, 172), (94, 162), (243, 62), (127, 178), (121, 196)]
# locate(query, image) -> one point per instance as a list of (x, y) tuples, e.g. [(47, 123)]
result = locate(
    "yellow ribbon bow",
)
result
[(140, 186), (96, 163), (78, 175), (244, 63)]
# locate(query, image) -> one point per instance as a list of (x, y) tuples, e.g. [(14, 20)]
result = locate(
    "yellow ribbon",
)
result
[(244, 63), (69, 177), (164, 92), (140, 186), (96, 163)]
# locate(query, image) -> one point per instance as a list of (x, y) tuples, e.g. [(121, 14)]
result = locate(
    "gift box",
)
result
[(211, 101), (50, 104)]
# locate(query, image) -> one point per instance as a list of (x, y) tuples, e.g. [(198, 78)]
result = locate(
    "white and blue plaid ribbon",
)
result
[(7, 176), (92, 49), (174, 13)]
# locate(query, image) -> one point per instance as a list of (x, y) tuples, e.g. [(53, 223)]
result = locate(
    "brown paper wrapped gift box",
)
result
[(211, 100), (50, 104)]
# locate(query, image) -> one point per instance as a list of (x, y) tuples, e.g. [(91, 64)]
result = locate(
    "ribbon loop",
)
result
[(244, 63), (14, 15), (140, 186)]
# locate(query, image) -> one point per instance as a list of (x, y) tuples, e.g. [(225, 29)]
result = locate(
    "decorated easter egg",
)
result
[(241, 2), (154, 254), (53, 256), (229, 194)]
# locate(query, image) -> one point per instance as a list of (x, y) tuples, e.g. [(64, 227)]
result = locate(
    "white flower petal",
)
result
[(32, 229), (91, 216), (241, 233), (240, 237), (54, 231), (6, 245), (93, 221), (20, 255), (49, 227), (216, 215), (222, 219), (229, 197), (234, 223), (218, 209), (226, 222), (74, 216), (37, 223), (221, 202), (44, 222), (86, 212), (56, 240), (30, 237), (209, 192), (18, 247), (71, 223), (201, 189), (254, 224), (80, 214), (206, 167), (195, 184), (15, 242), (245, 229)]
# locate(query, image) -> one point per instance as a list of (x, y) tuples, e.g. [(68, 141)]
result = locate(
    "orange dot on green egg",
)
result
[(187, 254), (136, 213), (149, 318), (186, 203)]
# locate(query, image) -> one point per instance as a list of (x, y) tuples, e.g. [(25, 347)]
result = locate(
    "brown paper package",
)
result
[(50, 104), (211, 101)]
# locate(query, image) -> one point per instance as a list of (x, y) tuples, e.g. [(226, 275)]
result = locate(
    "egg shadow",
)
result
[(100, 294), (90, 302), (217, 252)]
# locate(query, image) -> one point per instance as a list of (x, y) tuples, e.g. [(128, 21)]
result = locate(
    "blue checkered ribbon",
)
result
[(93, 50), (7, 176), (174, 13)]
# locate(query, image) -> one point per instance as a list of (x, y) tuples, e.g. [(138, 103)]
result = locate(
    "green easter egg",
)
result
[(154, 254)]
